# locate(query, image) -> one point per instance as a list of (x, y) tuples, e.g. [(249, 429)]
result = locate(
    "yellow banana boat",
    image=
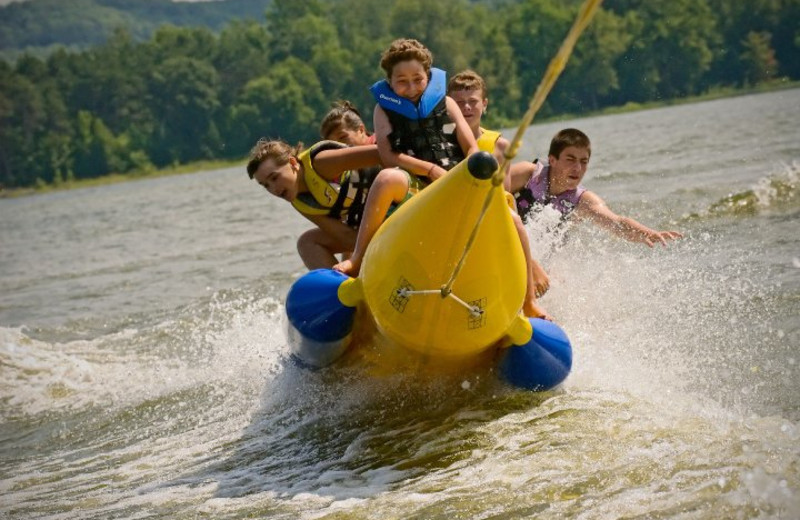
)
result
[(444, 278)]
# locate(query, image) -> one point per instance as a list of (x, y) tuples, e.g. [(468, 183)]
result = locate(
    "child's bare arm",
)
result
[(519, 174), (382, 126), (595, 209), (466, 139), (331, 163)]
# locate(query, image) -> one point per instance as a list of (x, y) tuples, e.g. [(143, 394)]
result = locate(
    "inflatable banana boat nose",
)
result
[(438, 285), (416, 251)]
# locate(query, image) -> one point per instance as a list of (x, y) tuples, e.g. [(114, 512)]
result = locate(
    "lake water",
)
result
[(144, 372)]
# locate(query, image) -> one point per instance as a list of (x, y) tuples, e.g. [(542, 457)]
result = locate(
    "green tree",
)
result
[(314, 39), (495, 61), (363, 31), (296, 28), (241, 54), (536, 29), (190, 42), (106, 82), (591, 77), (286, 104), (185, 94), (441, 25), (36, 133), (758, 57), (334, 68), (21, 118), (97, 151), (737, 19), (671, 49), (305, 31)]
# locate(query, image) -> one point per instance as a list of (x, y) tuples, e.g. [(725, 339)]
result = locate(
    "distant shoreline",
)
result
[(114, 178), (221, 164)]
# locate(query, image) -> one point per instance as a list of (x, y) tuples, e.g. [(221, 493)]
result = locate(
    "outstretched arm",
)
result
[(594, 208), (331, 163)]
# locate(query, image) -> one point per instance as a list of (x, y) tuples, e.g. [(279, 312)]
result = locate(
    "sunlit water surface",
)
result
[(144, 372)]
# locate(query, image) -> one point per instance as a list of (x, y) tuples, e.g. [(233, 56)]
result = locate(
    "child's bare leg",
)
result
[(312, 252), (391, 185), (541, 281), (317, 248), (530, 307)]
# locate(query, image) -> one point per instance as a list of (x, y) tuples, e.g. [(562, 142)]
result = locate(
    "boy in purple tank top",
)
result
[(558, 183)]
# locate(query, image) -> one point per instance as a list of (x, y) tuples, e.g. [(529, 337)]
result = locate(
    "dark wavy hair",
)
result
[(341, 115)]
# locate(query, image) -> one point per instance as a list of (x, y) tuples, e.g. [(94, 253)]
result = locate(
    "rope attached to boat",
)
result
[(553, 71)]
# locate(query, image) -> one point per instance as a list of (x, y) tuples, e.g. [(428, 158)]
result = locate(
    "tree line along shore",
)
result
[(132, 107)]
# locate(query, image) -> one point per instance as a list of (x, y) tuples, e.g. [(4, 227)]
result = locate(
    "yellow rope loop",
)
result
[(554, 69)]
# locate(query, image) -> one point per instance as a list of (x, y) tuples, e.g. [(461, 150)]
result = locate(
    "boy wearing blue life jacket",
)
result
[(420, 134)]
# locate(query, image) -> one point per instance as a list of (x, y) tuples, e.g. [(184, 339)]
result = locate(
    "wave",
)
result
[(775, 191), (197, 409), (600, 175), (155, 356)]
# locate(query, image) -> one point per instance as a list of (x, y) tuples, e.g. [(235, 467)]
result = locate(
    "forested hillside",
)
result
[(36, 26), (189, 93)]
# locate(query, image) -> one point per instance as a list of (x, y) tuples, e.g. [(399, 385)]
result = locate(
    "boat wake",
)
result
[(771, 193)]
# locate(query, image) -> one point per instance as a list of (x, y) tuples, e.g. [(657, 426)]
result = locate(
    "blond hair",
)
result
[(468, 80)]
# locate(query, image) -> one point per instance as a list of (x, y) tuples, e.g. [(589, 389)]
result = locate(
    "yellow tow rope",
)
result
[(554, 69)]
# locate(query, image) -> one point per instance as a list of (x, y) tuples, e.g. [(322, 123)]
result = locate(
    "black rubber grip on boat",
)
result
[(482, 165)]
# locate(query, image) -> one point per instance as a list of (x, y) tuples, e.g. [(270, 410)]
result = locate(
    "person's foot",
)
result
[(531, 309), (350, 267)]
